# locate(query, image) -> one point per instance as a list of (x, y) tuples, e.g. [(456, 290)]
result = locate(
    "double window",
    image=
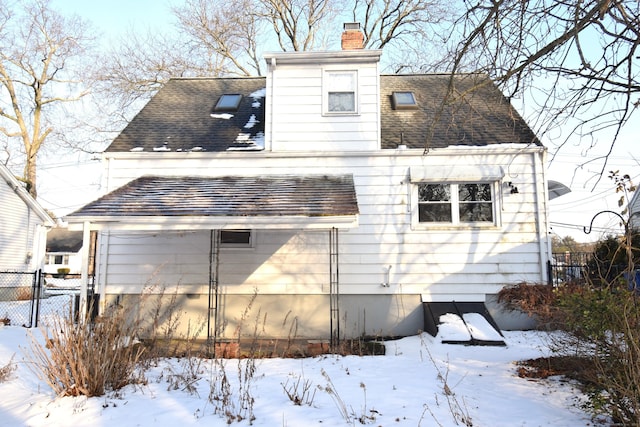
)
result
[(340, 92), (57, 259), (460, 196), (458, 203)]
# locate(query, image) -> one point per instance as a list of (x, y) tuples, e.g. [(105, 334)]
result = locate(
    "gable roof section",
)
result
[(216, 202), (476, 114), (21, 192), (179, 116), (63, 240)]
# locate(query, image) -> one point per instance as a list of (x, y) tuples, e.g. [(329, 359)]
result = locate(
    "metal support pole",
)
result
[(334, 290), (212, 317)]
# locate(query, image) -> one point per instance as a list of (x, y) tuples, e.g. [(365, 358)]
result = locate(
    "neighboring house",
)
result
[(329, 199), (23, 234), (63, 251)]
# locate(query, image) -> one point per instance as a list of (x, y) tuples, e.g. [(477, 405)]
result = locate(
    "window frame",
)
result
[(329, 86), (52, 257), (397, 102), (455, 205), (231, 105), (239, 245)]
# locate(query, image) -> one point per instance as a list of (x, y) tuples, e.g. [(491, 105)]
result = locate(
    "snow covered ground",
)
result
[(419, 382)]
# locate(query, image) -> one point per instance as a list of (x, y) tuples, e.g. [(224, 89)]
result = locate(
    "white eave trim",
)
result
[(456, 174), (22, 192), (324, 57), (154, 223)]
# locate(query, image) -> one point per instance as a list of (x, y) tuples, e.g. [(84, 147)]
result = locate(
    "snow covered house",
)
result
[(327, 198), (23, 234)]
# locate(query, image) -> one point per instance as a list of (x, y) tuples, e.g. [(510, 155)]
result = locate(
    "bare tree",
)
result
[(224, 34), (577, 60), (129, 74), (38, 50), (227, 39), (213, 40), (405, 21), (297, 24)]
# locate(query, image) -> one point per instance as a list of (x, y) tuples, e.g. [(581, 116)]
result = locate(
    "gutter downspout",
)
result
[(84, 274), (269, 122), (541, 198)]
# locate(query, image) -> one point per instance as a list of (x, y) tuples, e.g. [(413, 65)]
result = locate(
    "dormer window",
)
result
[(228, 102), (340, 92), (403, 101)]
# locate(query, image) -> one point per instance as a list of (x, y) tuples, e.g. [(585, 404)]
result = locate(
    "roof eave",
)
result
[(323, 57), (26, 197), (165, 223)]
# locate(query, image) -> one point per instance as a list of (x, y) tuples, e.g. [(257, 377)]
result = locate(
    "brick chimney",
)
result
[(352, 37)]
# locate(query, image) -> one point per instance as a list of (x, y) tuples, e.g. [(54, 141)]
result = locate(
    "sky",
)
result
[(66, 185), (420, 381)]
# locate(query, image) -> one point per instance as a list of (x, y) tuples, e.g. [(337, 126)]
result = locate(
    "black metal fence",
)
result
[(29, 298), (567, 267)]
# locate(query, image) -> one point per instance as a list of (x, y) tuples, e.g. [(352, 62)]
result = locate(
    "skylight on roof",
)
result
[(403, 101), (228, 102)]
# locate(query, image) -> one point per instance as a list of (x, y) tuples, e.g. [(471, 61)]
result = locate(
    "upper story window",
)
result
[(403, 101), (228, 102), (459, 203), (341, 92)]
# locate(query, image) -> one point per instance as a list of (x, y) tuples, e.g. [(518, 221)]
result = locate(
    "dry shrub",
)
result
[(85, 358), (24, 294), (7, 370), (539, 301)]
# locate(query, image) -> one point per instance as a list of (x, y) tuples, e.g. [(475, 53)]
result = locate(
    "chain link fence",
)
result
[(31, 298)]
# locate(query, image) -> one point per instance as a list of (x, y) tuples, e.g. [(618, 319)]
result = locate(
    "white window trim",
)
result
[(455, 220), (235, 246), (325, 92)]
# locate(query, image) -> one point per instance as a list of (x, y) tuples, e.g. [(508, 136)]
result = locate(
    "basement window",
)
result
[(403, 101), (228, 102), (236, 239)]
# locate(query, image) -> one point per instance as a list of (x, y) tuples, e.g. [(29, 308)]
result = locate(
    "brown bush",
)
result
[(85, 358), (539, 301)]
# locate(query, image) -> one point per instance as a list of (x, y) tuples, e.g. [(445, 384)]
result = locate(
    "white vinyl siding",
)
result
[(297, 118), (465, 263), (22, 235)]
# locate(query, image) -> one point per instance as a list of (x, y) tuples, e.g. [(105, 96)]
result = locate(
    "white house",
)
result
[(63, 251), (327, 198), (23, 234)]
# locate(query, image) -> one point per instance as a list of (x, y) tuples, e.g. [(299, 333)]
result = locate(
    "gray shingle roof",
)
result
[(62, 240), (273, 195), (178, 117), (481, 116)]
